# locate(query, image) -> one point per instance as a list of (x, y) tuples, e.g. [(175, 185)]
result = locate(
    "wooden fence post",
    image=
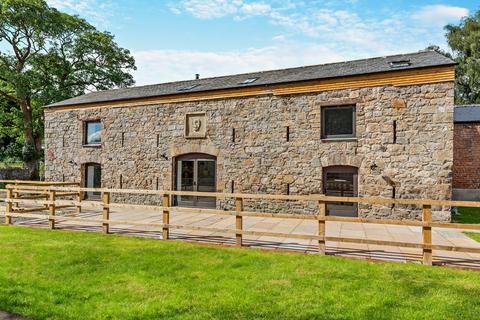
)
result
[(46, 196), (321, 225), (238, 220), (16, 195), (51, 210), (106, 212), (427, 234), (8, 207), (79, 200), (166, 215)]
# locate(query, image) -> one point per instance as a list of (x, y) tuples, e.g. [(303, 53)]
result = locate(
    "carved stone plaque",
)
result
[(195, 125), (399, 103)]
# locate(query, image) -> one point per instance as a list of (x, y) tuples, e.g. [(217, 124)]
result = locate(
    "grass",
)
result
[(74, 275), (474, 235), (471, 216), (11, 164), (467, 215)]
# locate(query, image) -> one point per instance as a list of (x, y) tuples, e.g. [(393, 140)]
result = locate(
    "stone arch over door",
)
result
[(339, 159)]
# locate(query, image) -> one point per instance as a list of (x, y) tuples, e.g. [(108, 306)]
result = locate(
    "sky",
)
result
[(174, 40)]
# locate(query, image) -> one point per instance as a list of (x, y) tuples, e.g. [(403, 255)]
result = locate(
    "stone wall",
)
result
[(261, 160), (14, 174)]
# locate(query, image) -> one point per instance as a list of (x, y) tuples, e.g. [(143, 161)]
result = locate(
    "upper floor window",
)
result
[(338, 122), (93, 133)]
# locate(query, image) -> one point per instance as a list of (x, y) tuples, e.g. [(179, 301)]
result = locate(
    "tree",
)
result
[(464, 41), (47, 56), (10, 132)]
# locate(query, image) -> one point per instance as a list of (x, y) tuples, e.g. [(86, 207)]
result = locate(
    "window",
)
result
[(248, 81), (338, 122), (93, 133), (400, 64), (189, 87)]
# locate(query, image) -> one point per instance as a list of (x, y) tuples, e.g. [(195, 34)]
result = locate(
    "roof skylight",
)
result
[(189, 87), (400, 64), (248, 81)]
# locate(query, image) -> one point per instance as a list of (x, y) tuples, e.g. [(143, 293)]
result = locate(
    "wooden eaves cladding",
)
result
[(394, 78)]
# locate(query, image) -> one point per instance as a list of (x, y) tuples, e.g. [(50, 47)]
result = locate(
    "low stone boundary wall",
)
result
[(466, 194), (14, 174)]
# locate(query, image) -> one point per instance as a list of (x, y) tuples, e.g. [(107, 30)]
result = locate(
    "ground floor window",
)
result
[(195, 172), (341, 181), (93, 179)]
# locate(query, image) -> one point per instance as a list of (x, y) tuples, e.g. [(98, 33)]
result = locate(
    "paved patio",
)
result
[(449, 237)]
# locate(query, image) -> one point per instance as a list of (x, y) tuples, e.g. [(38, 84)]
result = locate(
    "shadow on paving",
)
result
[(384, 254)]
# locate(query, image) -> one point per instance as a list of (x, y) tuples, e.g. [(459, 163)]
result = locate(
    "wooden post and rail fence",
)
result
[(14, 199)]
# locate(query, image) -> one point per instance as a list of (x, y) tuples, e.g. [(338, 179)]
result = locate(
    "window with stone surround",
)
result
[(92, 133), (338, 122)]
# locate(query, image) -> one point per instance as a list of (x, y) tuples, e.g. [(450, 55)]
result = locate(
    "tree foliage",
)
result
[(464, 41), (48, 56)]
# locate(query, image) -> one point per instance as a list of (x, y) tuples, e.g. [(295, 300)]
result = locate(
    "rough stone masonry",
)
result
[(141, 142)]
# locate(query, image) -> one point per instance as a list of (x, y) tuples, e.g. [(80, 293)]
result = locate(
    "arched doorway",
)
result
[(195, 172), (341, 181)]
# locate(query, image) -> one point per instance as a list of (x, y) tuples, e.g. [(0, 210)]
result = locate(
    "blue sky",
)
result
[(173, 40)]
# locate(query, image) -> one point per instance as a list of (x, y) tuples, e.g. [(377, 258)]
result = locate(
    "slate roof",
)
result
[(466, 113), (422, 59)]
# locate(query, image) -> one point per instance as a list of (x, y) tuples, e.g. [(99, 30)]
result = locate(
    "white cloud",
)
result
[(279, 37), (156, 66), (331, 35), (439, 15), (322, 33), (255, 9), (319, 21), (211, 9), (206, 9), (95, 11)]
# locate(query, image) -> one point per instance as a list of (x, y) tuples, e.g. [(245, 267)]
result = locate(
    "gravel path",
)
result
[(9, 316)]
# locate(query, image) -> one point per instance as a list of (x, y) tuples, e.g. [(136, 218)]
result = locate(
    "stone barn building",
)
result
[(379, 127), (466, 155)]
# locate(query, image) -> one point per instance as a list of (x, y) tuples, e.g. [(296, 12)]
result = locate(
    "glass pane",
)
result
[(206, 176), (339, 184), (206, 182), (338, 121), (94, 131), (186, 178), (93, 179)]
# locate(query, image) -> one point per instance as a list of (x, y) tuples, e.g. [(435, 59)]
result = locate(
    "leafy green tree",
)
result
[(464, 41), (47, 56), (10, 132)]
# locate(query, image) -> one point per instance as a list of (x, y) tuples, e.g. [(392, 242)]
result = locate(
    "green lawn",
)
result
[(74, 275), (467, 215), (474, 235)]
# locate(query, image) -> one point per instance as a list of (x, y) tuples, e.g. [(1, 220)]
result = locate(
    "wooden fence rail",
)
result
[(53, 203), (17, 187)]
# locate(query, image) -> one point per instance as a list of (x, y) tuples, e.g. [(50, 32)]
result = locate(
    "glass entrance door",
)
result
[(341, 181), (206, 182), (196, 172), (93, 179)]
